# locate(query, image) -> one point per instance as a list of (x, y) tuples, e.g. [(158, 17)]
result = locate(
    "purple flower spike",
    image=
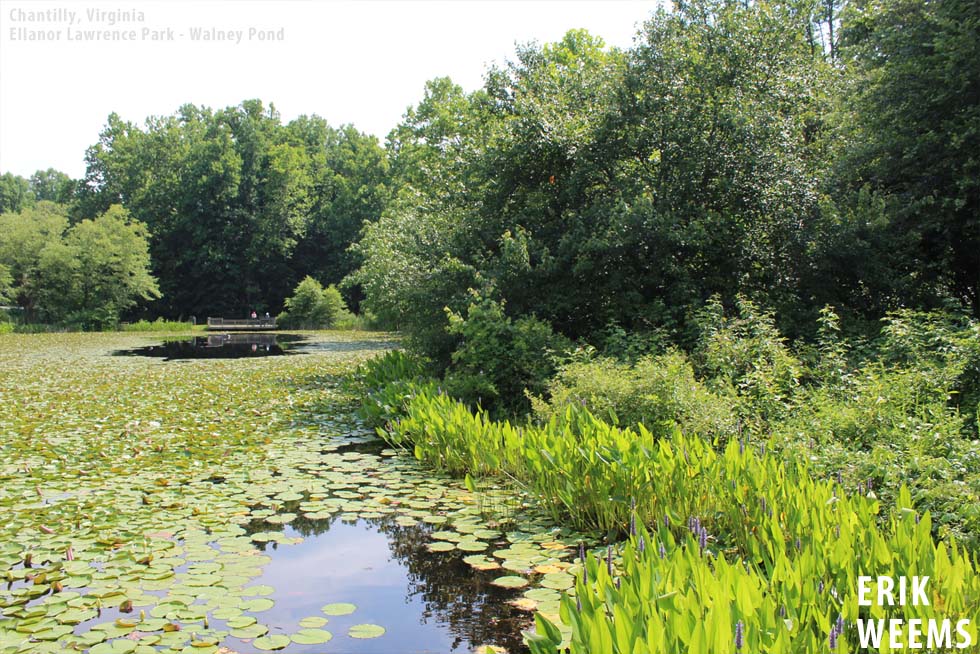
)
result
[(833, 638), (703, 538), (663, 551), (666, 521), (581, 552), (641, 545), (739, 635)]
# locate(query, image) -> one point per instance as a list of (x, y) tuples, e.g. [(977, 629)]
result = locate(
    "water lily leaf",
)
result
[(120, 646), (510, 582), (257, 605), (251, 631), (366, 631), (240, 622), (311, 636), (339, 608), (273, 642), (313, 622)]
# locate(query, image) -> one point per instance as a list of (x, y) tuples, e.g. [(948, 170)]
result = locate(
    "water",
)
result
[(221, 346), (428, 603)]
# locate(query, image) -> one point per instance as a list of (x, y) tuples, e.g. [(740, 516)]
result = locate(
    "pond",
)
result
[(219, 346), (240, 504)]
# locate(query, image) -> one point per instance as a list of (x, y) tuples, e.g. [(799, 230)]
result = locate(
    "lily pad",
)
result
[(270, 643), (311, 636), (510, 582), (366, 631), (339, 608), (313, 622)]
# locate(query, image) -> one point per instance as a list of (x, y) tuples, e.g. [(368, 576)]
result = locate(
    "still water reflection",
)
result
[(220, 346), (427, 602)]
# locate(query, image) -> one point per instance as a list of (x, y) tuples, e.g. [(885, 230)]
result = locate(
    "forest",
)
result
[(686, 295)]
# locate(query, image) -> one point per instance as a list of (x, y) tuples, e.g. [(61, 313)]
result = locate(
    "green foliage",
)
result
[(240, 206), (499, 359), (746, 356), (6, 284), (733, 536), (85, 275), (665, 592), (386, 385), (312, 306), (657, 391), (910, 131), (15, 193), (158, 325)]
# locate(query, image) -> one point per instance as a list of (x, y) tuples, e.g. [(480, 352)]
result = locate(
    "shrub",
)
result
[(499, 360), (158, 325), (658, 391), (746, 355), (313, 307)]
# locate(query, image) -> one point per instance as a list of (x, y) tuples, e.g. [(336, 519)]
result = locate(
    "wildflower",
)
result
[(739, 635), (663, 550), (641, 545)]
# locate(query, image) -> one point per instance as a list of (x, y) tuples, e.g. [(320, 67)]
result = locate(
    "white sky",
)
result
[(362, 62)]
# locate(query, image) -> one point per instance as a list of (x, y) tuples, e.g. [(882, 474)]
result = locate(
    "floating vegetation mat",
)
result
[(238, 506)]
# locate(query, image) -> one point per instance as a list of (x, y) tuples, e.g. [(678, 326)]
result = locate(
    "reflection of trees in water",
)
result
[(455, 596)]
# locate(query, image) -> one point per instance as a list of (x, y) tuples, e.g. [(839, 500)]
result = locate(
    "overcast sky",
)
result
[(360, 62)]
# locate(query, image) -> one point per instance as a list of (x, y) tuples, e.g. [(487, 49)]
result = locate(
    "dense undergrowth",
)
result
[(754, 481)]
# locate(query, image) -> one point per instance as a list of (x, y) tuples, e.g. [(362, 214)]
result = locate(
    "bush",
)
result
[(746, 356), (658, 392), (313, 307), (500, 360), (158, 325)]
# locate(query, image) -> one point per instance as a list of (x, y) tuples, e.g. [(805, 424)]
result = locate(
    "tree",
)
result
[(52, 185), (112, 272), (15, 193), (911, 136), (87, 274), (6, 284), (23, 236), (312, 306)]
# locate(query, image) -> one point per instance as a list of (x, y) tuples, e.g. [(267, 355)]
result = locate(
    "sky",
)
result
[(361, 62)]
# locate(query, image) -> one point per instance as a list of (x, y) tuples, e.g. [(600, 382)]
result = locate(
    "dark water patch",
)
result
[(221, 346), (427, 602), (367, 445)]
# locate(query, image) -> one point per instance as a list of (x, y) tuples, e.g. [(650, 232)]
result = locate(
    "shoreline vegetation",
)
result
[(711, 300)]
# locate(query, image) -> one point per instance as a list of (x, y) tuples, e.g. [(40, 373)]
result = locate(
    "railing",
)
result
[(244, 323)]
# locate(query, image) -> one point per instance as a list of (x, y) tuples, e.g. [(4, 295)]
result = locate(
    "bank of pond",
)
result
[(160, 501)]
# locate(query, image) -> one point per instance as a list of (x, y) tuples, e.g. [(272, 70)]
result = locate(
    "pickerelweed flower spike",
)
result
[(641, 545), (663, 550), (833, 638), (739, 635), (703, 538)]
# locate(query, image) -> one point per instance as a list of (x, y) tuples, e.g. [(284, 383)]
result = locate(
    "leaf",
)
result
[(366, 631), (339, 608)]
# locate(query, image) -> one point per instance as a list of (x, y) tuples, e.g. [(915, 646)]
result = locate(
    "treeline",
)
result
[(798, 154), (238, 206)]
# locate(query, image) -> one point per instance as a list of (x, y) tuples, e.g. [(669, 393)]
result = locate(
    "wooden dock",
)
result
[(241, 325)]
